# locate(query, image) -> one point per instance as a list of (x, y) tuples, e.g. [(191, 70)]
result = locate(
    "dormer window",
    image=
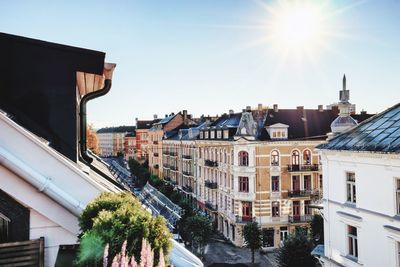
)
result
[(277, 131), (201, 135), (212, 133), (226, 134), (219, 134), (206, 135)]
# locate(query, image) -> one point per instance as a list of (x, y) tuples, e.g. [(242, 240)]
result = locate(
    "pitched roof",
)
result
[(119, 129), (227, 120), (146, 124), (304, 123), (380, 133)]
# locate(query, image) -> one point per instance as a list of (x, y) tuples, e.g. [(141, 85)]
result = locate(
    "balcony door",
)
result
[(295, 160), (246, 211), (307, 182), (296, 211), (296, 183)]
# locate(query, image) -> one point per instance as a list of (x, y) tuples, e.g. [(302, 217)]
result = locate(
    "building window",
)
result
[(212, 133), (219, 134), (4, 228), (352, 241), (398, 195), (307, 209), (206, 135), (307, 157), (275, 183), (226, 134), (246, 209), (307, 182), (243, 184), (274, 158), (283, 233), (201, 135), (351, 187), (268, 237), (243, 158), (275, 209), (295, 158)]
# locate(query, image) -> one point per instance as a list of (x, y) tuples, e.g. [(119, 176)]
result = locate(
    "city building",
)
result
[(361, 201), (142, 130), (130, 146), (111, 140)]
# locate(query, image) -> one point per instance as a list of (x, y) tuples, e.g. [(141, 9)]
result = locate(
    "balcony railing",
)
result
[(211, 185), (186, 173), (300, 218), (303, 193), (174, 168), (174, 154), (187, 188), (155, 154), (211, 206), (210, 163), (187, 157), (244, 219), (165, 166), (303, 168), (166, 178), (166, 153)]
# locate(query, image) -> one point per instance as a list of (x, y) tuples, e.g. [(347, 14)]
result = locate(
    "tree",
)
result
[(92, 140), (317, 229), (113, 218), (296, 250), (252, 238), (139, 171), (198, 229)]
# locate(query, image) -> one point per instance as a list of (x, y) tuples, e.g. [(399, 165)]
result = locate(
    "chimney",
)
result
[(185, 116), (166, 115), (276, 108), (363, 112), (260, 107), (155, 116), (248, 108), (300, 108), (320, 108), (231, 111)]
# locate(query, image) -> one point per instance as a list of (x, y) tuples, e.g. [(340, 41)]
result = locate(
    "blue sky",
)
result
[(203, 56)]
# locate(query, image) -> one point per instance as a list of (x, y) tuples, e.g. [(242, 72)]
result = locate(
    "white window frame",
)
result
[(397, 195), (351, 186), (354, 239)]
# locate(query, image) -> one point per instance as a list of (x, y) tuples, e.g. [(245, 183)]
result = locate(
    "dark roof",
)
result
[(146, 124), (227, 120), (119, 129), (380, 133), (167, 119), (131, 134), (304, 123)]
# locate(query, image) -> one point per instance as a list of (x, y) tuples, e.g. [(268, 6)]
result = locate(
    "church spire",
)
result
[(344, 82)]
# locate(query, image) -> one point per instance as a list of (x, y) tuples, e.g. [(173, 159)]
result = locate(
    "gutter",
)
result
[(41, 182), (108, 71)]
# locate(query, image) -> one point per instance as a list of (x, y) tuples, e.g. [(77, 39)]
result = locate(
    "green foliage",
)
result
[(317, 229), (198, 229), (91, 248), (119, 217), (140, 171), (296, 250), (252, 237)]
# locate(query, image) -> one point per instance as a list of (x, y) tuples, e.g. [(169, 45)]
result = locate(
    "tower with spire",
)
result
[(344, 121)]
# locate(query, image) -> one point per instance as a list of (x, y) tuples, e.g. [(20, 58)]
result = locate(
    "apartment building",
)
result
[(130, 146), (142, 132), (111, 140), (361, 202)]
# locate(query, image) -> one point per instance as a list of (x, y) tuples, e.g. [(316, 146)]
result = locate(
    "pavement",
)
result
[(220, 253)]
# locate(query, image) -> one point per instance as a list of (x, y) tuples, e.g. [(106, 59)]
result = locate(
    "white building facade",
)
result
[(361, 169)]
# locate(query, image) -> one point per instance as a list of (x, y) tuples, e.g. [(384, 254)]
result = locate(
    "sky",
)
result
[(211, 56)]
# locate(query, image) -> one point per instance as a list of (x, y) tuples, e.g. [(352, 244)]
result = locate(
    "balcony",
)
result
[(303, 193), (303, 168), (211, 206), (211, 185), (168, 179), (186, 173), (174, 168), (300, 218), (165, 166), (244, 219), (187, 157), (173, 154), (210, 163), (187, 188), (166, 153)]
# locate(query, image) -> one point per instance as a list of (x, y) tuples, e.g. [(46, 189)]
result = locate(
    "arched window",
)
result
[(295, 157), (307, 157), (243, 158), (274, 158)]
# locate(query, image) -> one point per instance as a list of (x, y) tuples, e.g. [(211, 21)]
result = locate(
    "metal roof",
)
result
[(380, 133)]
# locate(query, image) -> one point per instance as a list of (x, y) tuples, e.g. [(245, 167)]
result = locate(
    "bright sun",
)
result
[(297, 27)]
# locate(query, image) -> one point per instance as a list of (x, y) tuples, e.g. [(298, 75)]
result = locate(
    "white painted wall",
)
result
[(375, 185)]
